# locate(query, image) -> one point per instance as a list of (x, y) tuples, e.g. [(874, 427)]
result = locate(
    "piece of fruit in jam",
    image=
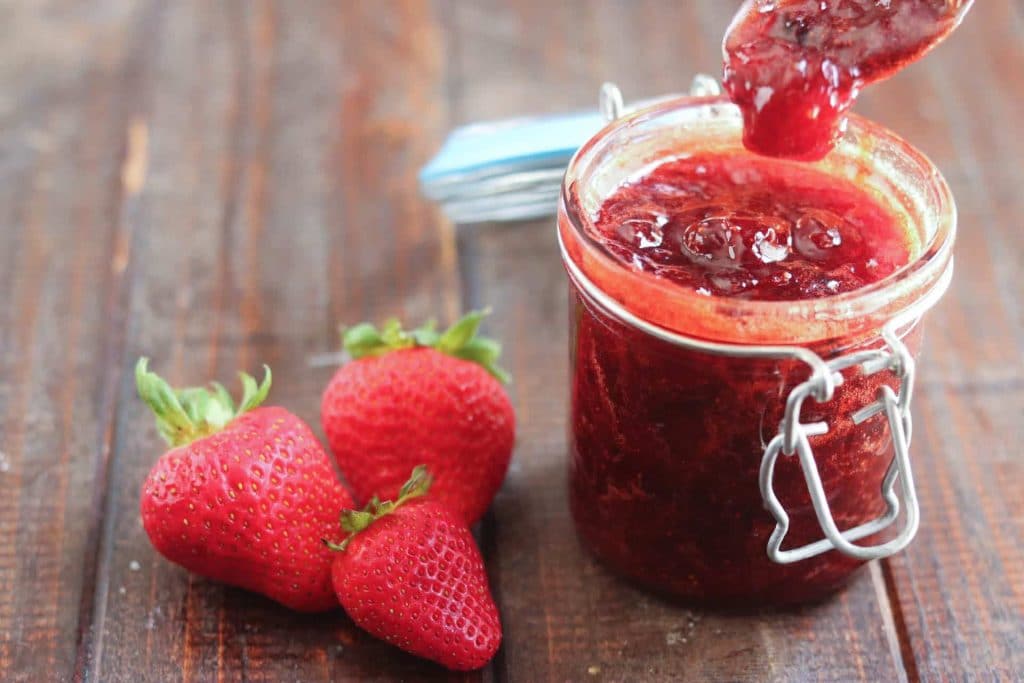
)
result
[(744, 226), (795, 67)]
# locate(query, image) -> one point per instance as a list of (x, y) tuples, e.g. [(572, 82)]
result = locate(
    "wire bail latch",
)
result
[(794, 439)]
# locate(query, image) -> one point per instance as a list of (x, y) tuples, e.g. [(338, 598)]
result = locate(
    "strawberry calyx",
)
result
[(460, 340), (184, 415), (357, 521)]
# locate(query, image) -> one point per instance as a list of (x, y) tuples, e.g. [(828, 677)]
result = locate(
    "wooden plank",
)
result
[(565, 617), (279, 200), (960, 588), (60, 155)]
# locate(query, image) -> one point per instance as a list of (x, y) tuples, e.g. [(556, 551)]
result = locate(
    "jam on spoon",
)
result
[(794, 67)]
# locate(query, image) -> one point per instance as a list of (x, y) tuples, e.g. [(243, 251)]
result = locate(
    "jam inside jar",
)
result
[(681, 375)]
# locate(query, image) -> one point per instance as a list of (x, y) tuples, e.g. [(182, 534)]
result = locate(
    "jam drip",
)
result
[(794, 67), (754, 228)]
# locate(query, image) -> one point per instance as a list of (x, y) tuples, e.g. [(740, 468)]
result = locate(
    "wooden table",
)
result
[(220, 184)]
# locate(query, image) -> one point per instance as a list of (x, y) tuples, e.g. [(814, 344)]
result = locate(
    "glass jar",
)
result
[(742, 452)]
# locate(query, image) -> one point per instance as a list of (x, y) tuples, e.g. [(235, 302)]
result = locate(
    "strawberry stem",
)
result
[(357, 521), (184, 415), (460, 340)]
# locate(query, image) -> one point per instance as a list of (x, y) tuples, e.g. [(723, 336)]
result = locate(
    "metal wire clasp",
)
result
[(794, 438), (612, 105)]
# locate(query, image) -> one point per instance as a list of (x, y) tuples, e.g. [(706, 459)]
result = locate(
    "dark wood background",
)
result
[(219, 184)]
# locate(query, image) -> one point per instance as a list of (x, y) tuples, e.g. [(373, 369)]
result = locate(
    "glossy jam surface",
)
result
[(749, 227), (794, 67)]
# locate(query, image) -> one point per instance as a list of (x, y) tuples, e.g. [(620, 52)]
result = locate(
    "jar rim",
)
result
[(734, 320)]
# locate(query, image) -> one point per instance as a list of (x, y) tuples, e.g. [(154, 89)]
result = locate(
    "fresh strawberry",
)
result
[(421, 397), (245, 495), (410, 573)]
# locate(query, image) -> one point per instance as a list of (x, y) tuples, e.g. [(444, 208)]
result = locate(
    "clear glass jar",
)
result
[(720, 447)]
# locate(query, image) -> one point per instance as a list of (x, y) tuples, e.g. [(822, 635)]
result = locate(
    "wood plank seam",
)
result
[(124, 274), (122, 277), (895, 620)]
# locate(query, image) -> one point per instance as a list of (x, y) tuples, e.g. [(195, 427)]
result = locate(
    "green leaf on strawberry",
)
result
[(461, 340), (184, 415), (355, 521)]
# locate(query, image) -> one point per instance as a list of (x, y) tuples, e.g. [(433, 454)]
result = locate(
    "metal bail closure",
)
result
[(612, 105), (793, 438)]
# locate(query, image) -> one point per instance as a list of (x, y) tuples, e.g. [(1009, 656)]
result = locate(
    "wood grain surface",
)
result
[(220, 184)]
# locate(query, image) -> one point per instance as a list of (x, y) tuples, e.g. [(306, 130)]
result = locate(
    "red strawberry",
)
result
[(410, 573), (421, 397), (244, 496)]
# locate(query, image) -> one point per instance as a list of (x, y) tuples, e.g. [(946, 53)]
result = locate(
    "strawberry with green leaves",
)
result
[(409, 573), (244, 495), (422, 396)]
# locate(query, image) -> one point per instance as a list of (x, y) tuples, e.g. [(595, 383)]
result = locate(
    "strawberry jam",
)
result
[(794, 67), (667, 441), (753, 228)]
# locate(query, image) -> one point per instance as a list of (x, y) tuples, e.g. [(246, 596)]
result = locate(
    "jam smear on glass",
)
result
[(794, 67)]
